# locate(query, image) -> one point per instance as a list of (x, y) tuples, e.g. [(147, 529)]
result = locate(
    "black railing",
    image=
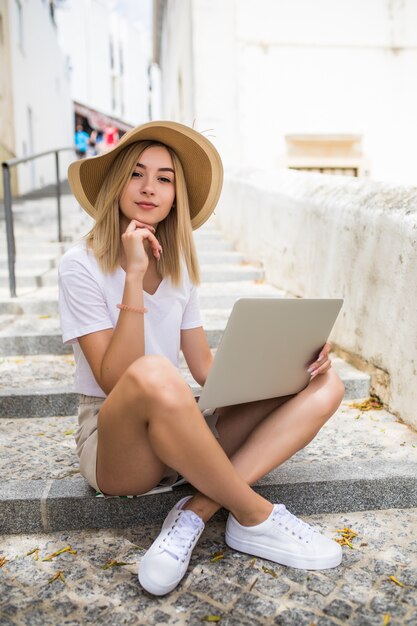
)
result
[(8, 213)]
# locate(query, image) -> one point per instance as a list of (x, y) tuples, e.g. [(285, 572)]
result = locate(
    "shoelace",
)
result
[(291, 523), (182, 536)]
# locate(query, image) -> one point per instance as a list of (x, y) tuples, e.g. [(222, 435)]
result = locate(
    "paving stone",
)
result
[(320, 584), (325, 621), (302, 597), (252, 605), (295, 617), (339, 608)]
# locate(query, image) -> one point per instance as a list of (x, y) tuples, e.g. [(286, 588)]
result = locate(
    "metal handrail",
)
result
[(8, 213)]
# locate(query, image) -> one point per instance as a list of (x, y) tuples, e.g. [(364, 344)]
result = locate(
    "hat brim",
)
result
[(203, 170)]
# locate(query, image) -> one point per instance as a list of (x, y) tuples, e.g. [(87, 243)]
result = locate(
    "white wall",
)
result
[(86, 28), (329, 236), (266, 69), (41, 101)]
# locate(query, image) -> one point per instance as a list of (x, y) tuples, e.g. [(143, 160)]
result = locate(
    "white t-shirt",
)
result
[(88, 301)]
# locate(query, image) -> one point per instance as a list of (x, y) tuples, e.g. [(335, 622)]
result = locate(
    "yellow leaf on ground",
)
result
[(57, 576), (58, 552), (35, 551), (217, 556), (115, 564), (367, 405), (387, 620), (269, 571), (69, 432), (347, 534), (396, 582), (211, 618), (3, 561)]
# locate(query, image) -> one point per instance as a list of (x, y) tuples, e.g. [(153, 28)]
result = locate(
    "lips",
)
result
[(146, 205)]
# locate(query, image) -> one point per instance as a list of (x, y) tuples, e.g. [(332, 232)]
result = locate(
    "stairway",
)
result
[(360, 460)]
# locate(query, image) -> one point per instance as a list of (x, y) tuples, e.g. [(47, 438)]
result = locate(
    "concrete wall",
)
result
[(329, 236)]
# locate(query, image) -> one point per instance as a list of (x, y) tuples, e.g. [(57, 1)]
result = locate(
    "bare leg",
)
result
[(259, 437), (151, 420)]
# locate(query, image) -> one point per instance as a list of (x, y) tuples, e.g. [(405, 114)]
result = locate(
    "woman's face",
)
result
[(149, 195)]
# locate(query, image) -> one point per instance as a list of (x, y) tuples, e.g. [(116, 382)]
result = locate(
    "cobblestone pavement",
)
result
[(96, 582)]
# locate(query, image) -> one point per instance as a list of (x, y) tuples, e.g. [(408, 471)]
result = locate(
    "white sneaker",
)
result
[(166, 561), (284, 539)]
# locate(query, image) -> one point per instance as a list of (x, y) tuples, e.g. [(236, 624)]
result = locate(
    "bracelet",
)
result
[(133, 309)]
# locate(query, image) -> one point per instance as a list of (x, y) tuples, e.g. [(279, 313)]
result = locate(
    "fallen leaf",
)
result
[(3, 561), (387, 620), (269, 571), (396, 582), (58, 552), (217, 556), (69, 432), (57, 576), (347, 534), (369, 404), (211, 618), (113, 563), (35, 551)]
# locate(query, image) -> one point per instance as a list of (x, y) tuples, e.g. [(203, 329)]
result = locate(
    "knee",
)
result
[(156, 380), (331, 394)]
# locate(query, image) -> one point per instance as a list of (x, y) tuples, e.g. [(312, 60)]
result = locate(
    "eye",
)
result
[(136, 174), (163, 179)]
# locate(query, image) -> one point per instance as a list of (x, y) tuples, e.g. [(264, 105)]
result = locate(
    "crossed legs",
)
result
[(150, 420)]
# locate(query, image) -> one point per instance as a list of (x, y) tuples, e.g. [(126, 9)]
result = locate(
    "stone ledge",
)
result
[(47, 506), (31, 400)]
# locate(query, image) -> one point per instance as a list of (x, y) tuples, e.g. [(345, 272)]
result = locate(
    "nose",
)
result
[(147, 186)]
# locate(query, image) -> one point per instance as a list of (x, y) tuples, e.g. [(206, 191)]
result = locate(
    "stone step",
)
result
[(359, 461), (41, 334), (42, 385), (219, 295), (42, 262), (210, 272)]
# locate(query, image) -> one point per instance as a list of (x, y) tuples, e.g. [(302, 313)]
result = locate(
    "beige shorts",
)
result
[(86, 439)]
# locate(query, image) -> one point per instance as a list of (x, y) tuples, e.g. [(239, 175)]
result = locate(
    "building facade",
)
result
[(275, 74), (35, 102), (108, 60)]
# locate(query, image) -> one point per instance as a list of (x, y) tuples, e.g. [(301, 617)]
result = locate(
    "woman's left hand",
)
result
[(323, 362)]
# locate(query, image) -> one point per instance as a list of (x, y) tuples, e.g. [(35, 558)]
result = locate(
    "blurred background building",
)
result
[(329, 85), (65, 63), (35, 101)]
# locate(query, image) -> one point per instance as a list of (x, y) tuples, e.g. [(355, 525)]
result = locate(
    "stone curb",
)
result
[(47, 506), (51, 343), (61, 400)]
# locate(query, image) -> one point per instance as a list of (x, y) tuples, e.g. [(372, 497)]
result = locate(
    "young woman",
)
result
[(128, 305)]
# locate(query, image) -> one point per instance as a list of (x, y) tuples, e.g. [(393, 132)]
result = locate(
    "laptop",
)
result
[(266, 348)]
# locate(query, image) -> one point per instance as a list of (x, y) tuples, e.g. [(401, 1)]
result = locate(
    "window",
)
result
[(19, 23), (111, 50)]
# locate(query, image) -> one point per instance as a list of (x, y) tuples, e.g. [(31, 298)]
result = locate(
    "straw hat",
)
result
[(200, 160)]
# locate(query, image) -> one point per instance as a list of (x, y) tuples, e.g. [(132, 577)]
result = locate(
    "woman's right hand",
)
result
[(133, 240)]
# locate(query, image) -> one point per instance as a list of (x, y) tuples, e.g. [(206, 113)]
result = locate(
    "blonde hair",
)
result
[(174, 233)]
